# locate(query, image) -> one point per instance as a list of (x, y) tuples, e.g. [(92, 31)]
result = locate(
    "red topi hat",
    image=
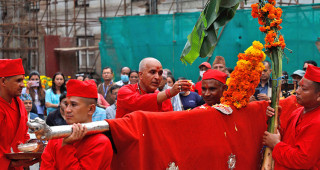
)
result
[(11, 67), (215, 74), (206, 64), (313, 73), (86, 89)]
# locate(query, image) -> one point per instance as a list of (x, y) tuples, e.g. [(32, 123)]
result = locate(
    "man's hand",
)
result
[(270, 111), (178, 86), (263, 96), (23, 162), (252, 98), (78, 132), (270, 139)]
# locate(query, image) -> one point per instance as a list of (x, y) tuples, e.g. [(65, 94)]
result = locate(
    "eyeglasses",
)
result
[(107, 73)]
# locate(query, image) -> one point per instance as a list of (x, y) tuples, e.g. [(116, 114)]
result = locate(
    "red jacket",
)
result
[(299, 148), (131, 99), (13, 127)]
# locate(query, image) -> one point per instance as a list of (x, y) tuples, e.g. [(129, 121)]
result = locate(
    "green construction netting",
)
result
[(126, 40)]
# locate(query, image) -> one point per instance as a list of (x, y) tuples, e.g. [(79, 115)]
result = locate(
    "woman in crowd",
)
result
[(53, 94), (37, 93), (134, 77), (170, 80)]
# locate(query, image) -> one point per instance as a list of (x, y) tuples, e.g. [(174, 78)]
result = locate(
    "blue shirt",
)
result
[(53, 99), (111, 112), (99, 114), (191, 101)]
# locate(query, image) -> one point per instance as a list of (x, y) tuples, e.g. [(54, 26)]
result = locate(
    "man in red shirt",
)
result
[(203, 68), (13, 115), (78, 151), (144, 95), (299, 147)]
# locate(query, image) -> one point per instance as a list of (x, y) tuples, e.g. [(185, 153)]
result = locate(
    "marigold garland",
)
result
[(245, 77), (270, 18)]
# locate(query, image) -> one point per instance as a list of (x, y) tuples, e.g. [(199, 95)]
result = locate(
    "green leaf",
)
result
[(204, 36)]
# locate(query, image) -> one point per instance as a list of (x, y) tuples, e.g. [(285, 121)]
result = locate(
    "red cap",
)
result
[(86, 89), (11, 67), (215, 74), (313, 73), (206, 64)]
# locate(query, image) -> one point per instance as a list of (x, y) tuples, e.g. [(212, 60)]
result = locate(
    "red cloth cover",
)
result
[(92, 152), (86, 89), (299, 148), (313, 73), (129, 100), (288, 105), (11, 67), (196, 139), (13, 127), (215, 74)]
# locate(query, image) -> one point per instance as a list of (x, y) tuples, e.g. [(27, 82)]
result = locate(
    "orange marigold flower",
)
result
[(278, 12), (261, 22), (271, 16), (272, 2), (276, 22), (245, 77), (255, 10)]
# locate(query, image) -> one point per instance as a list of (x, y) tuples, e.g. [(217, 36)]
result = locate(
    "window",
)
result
[(86, 57), (33, 6), (82, 3)]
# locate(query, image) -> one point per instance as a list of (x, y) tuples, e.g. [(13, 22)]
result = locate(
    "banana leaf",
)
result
[(204, 36)]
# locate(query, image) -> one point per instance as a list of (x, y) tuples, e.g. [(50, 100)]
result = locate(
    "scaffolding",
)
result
[(24, 23)]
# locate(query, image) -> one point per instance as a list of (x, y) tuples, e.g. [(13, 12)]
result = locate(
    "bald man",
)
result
[(144, 95)]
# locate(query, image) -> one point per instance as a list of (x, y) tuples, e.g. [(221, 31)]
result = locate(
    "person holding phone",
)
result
[(37, 93), (53, 94)]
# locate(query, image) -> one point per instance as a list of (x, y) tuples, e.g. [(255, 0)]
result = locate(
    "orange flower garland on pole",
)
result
[(270, 18), (245, 77)]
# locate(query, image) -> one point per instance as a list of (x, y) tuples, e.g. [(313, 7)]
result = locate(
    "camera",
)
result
[(34, 83)]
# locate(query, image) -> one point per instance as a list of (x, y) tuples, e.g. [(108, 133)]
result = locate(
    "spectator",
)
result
[(57, 117), (27, 100), (99, 114), (111, 111), (190, 99), (133, 77), (219, 64), (107, 75), (124, 76), (297, 76), (37, 93), (80, 76), (284, 77), (53, 94), (163, 84), (87, 77), (170, 80), (203, 68), (265, 86), (308, 62), (229, 71)]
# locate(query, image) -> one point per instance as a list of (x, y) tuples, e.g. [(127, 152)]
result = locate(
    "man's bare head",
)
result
[(150, 74), (145, 61)]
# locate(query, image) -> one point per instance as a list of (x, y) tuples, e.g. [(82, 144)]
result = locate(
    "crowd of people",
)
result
[(151, 89)]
